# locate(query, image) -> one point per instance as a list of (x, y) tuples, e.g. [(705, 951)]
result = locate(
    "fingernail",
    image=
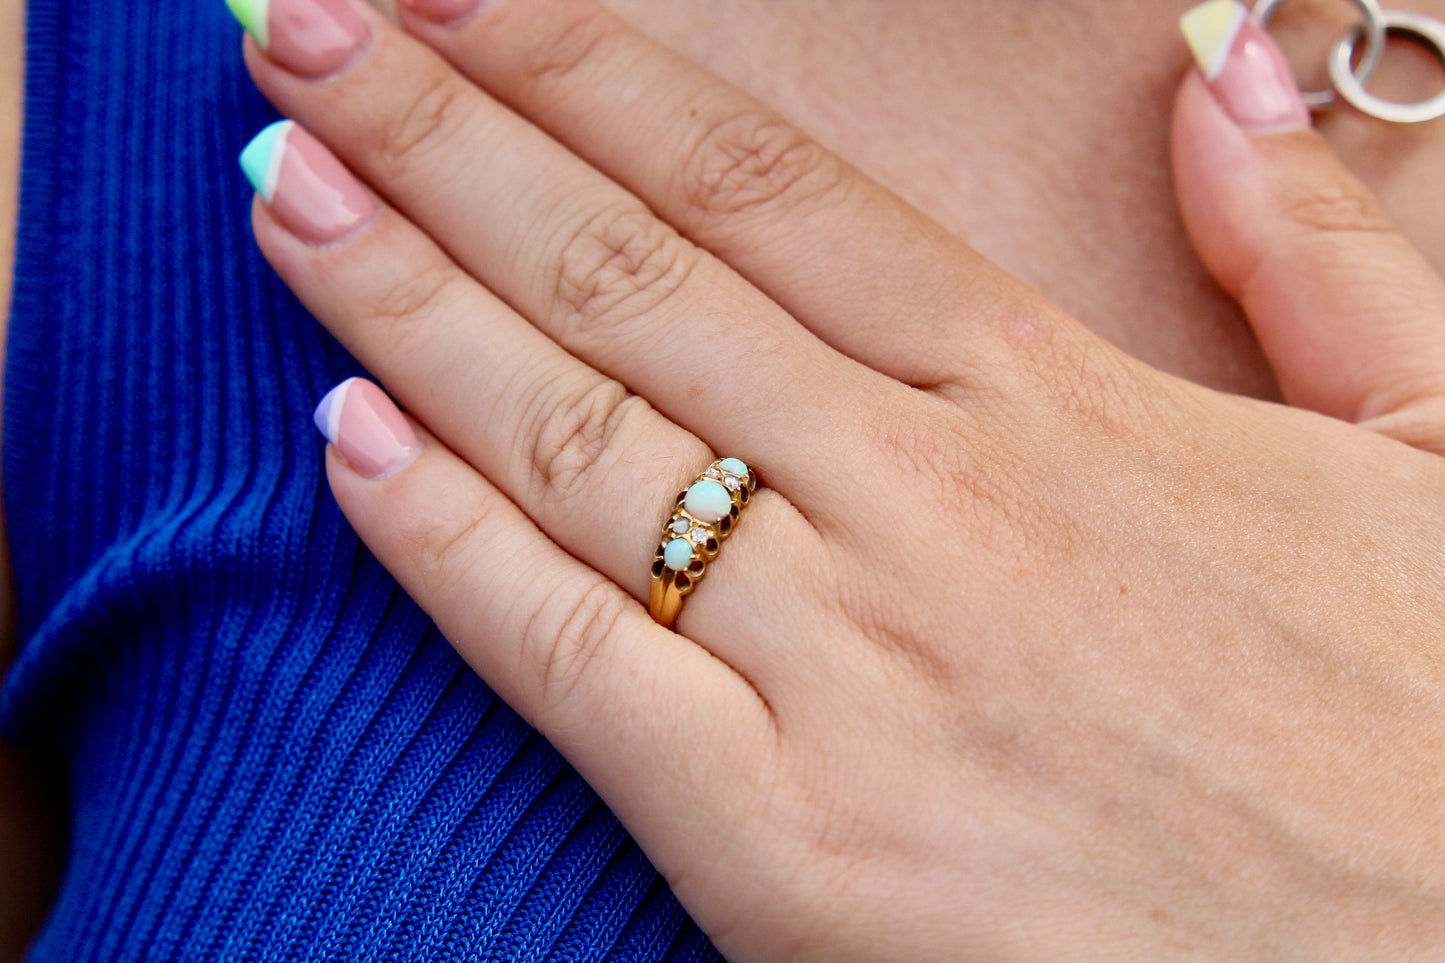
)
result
[(309, 37), (359, 419), (441, 11), (314, 196), (1244, 67)]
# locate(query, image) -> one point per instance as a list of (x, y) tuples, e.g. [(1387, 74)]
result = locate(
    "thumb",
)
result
[(1350, 315)]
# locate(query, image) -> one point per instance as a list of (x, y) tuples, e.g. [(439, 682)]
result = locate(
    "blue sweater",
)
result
[(272, 753)]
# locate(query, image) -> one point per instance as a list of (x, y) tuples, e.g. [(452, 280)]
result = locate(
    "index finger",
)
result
[(864, 270)]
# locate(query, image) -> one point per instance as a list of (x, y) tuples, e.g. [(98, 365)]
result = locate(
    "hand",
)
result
[(1024, 650)]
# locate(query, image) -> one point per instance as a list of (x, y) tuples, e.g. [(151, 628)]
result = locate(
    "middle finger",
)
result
[(588, 263)]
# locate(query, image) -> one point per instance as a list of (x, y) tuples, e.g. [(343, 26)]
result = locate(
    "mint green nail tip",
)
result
[(252, 14), (257, 158)]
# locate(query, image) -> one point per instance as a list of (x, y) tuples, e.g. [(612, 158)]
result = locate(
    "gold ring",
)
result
[(703, 516)]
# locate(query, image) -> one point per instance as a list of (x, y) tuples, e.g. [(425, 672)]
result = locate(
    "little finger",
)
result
[(653, 722)]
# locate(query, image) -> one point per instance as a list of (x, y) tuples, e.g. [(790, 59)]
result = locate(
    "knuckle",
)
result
[(447, 551), (753, 161), (404, 309), (569, 635), (931, 449), (558, 55), (618, 265), (1419, 423), (1086, 379), (412, 133), (1339, 209), (421, 292), (570, 437), (958, 477)]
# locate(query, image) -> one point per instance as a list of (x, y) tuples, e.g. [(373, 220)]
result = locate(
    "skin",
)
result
[(1049, 655), (1095, 84), (974, 162)]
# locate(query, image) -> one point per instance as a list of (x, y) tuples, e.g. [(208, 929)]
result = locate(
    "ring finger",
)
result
[(592, 464)]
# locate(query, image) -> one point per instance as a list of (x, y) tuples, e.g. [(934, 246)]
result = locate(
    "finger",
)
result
[(584, 260), (594, 466), (869, 273), (652, 721), (1351, 316)]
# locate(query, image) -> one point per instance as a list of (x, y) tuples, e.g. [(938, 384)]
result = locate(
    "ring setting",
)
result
[(703, 516)]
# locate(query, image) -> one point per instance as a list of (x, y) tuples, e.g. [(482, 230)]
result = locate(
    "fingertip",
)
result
[(383, 508), (1217, 180), (1245, 70), (374, 438)]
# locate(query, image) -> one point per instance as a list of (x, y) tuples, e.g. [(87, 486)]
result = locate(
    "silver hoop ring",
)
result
[(1428, 31), (1373, 33)]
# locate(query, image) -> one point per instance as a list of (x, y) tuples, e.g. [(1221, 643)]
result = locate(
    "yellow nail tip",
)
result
[(1210, 29)]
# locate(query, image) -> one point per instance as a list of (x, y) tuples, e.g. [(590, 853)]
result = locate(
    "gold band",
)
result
[(703, 517)]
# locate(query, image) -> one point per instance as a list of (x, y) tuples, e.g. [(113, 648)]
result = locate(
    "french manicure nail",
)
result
[(359, 419), (317, 198), (308, 37), (1244, 67), (441, 11)]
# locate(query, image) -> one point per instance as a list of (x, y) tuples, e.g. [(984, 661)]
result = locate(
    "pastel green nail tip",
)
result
[(707, 501), (261, 160), (253, 16)]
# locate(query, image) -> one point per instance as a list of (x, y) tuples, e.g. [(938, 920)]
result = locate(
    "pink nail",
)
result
[(304, 183), (309, 37), (359, 419), (441, 11), (1244, 67)]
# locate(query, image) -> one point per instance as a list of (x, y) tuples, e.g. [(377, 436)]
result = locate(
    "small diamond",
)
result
[(713, 473), (733, 483), (698, 535), (680, 525)]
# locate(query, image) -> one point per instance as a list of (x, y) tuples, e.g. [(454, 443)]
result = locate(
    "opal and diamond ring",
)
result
[(702, 518)]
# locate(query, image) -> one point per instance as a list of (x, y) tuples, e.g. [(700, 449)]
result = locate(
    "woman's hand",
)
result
[(1024, 650)]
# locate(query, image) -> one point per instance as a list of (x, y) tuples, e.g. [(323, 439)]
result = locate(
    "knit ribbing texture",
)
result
[(272, 753)]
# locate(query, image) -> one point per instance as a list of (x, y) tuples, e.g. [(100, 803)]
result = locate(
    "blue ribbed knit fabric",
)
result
[(273, 755)]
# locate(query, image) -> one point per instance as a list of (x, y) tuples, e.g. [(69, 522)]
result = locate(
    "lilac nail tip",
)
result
[(328, 412)]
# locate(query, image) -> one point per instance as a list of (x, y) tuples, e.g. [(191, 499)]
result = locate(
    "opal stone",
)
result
[(678, 554), (707, 501), (733, 467)]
